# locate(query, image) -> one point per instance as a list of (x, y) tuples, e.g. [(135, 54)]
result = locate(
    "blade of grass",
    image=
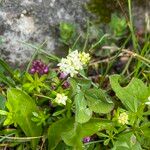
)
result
[(34, 55), (6, 67), (87, 36), (97, 43), (57, 59), (130, 24), (5, 80), (76, 41)]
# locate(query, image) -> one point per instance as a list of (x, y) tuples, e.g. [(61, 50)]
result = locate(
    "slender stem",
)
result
[(21, 138), (87, 36), (88, 79), (127, 65), (76, 41), (136, 55), (102, 61), (32, 58), (43, 96), (97, 43), (42, 51), (130, 24)]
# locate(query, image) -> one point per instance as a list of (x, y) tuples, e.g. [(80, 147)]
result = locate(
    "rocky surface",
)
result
[(34, 21)]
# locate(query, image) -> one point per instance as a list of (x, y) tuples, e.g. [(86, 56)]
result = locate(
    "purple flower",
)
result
[(62, 75), (39, 67), (86, 139), (66, 85)]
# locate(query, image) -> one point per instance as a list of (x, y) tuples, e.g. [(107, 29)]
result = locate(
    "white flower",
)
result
[(123, 118), (73, 63), (74, 58), (66, 67), (148, 103), (61, 99)]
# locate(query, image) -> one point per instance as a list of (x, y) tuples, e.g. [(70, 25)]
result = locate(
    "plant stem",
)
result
[(88, 79), (21, 138), (130, 24), (101, 39), (76, 41), (87, 36), (136, 55)]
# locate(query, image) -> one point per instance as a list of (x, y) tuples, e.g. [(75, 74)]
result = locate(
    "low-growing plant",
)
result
[(77, 115), (79, 102)]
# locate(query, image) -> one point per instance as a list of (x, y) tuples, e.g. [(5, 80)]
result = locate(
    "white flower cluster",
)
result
[(74, 62), (61, 99), (123, 118)]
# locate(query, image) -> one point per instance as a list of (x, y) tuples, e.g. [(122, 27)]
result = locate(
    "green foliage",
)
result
[(72, 133), (127, 141), (92, 110), (135, 93), (21, 106), (6, 67), (98, 101), (40, 118), (55, 130), (89, 99), (118, 25), (67, 31), (103, 10), (83, 114), (2, 108), (34, 83)]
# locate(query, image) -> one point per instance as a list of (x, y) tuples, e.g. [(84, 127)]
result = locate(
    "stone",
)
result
[(34, 21)]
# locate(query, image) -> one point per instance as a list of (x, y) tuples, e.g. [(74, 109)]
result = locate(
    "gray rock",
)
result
[(34, 21)]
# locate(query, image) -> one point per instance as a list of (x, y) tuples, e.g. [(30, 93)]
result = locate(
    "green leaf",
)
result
[(6, 80), (3, 112), (2, 102), (22, 106), (127, 141), (67, 31), (29, 77), (83, 83), (6, 67), (131, 95), (55, 130), (59, 112), (82, 114), (94, 125), (98, 101), (118, 25), (72, 133), (75, 136)]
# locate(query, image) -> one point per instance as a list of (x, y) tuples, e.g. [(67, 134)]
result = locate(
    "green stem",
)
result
[(42, 51), (76, 42), (97, 43), (88, 79), (21, 138), (87, 36), (136, 55), (43, 96), (130, 24)]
